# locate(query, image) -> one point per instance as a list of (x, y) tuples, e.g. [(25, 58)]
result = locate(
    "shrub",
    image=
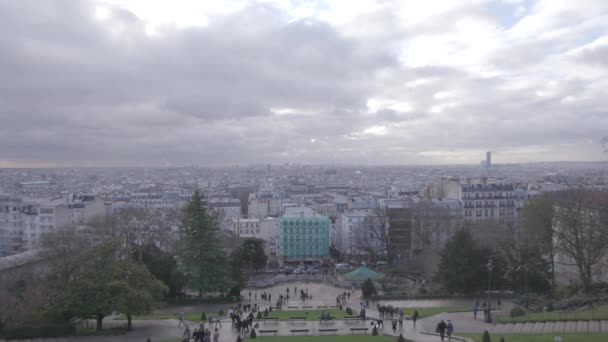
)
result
[(259, 316), (203, 317), (270, 309), (375, 331), (400, 338), (517, 312), (148, 340), (49, 330), (266, 313), (221, 312), (485, 337), (239, 339), (502, 339), (253, 335), (349, 311)]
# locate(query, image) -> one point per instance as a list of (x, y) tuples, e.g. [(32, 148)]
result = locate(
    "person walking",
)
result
[(415, 318), (181, 320), (394, 325), (441, 326), (401, 320), (449, 330), (475, 309), (186, 335), (216, 336)]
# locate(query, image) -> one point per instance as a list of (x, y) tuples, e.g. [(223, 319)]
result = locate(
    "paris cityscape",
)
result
[(303, 170)]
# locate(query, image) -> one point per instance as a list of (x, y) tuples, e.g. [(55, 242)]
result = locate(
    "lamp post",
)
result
[(490, 266)]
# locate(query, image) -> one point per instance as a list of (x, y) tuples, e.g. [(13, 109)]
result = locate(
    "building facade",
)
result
[(304, 236)]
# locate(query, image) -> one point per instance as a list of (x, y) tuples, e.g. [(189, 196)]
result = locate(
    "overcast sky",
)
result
[(146, 82)]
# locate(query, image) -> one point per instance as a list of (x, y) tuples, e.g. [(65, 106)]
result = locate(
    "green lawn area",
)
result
[(192, 316), (598, 312), (589, 337), (427, 312), (345, 338), (312, 314)]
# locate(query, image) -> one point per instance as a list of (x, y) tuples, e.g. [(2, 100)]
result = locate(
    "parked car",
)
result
[(297, 271), (288, 270)]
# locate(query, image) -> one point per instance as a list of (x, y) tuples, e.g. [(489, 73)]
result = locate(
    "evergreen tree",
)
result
[(368, 289), (486, 337), (252, 252), (203, 257), (462, 265)]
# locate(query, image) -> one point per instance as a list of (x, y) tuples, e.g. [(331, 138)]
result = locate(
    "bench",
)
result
[(321, 331), (352, 317), (298, 318), (327, 319), (322, 307), (292, 307), (364, 330), (262, 332), (307, 307), (334, 306), (294, 331)]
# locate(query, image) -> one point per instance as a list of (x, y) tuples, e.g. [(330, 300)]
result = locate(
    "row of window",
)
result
[(486, 212), (302, 230)]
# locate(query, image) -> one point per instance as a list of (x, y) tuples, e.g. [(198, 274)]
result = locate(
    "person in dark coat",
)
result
[(441, 326)]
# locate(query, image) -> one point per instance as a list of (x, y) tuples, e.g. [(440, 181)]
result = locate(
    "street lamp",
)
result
[(490, 266)]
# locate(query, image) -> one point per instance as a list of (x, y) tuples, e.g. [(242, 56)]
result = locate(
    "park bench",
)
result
[(294, 331), (321, 331), (322, 307), (364, 330), (292, 307), (352, 317), (327, 319), (262, 332), (298, 318), (307, 307), (334, 306)]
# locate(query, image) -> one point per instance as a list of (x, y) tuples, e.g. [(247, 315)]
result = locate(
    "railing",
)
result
[(281, 279)]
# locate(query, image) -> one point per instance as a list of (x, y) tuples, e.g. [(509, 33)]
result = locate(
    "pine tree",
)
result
[(203, 257), (486, 337)]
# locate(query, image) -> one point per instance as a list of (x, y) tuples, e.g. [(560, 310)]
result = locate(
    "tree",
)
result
[(99, 280), (163, 267), (134, 289), (581, 229), (537, 229), (486, 337), (236, 273), (253, 255), (462, 265), (372, 236), (203, 257), (368, 290)]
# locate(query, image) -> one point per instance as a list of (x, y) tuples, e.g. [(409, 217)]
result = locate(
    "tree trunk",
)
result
[(99, 319), (129, 324)]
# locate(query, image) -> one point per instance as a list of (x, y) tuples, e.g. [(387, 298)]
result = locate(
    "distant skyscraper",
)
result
[(488, 159)]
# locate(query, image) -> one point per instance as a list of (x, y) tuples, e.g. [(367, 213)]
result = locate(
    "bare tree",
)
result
[(371, 237), (428, 220), (581, 230)]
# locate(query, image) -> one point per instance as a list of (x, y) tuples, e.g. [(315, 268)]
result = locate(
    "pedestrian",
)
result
[(415, 318), (255, 296), (181, 320), (499, 304), (475, 311), (441, 326), (186, 335), (449, 329), (394, 325), (218, 321), (401, 320), (216, 336)]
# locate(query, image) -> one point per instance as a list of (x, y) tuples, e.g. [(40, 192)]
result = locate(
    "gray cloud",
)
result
[(252, 86)]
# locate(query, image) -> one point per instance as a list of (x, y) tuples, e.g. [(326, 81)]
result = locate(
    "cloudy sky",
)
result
[(154, 82)]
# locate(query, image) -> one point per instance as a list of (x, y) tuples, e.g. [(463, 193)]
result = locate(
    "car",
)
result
[(288, 269), (297, 271), (313, 271)]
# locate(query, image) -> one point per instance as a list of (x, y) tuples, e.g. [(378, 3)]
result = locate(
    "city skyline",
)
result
[(148, 83)]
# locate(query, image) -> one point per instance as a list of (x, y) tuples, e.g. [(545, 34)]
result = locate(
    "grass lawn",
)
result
[(598, 312), (428, 312), (345, 338), (192, 316), (589, 337), (312, 314)]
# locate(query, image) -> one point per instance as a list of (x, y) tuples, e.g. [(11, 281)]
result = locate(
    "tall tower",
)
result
[(488, 159)]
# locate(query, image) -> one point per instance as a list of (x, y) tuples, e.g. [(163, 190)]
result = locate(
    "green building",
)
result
[(303, 235)]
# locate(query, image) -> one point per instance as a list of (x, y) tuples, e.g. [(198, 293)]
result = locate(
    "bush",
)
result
[(221, 312), (502, 339), (148, 340), (400, 338), (517, 312), (266, 313), (485, 337), (253, 335), (270, 309), (259, 316), (203, 317), (239, 339), (49, 330), (375, 331), (349, 311)]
